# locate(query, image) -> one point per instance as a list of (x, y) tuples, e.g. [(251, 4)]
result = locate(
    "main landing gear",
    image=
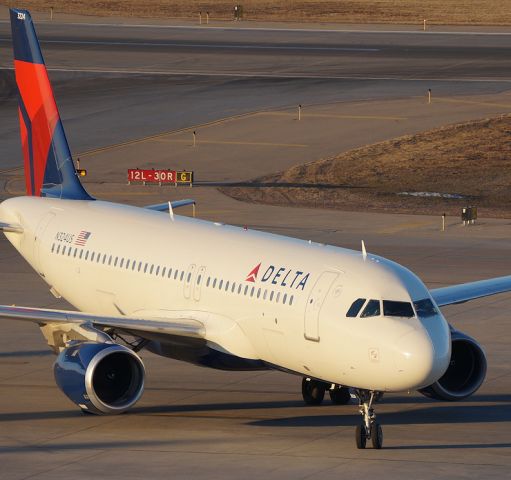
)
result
[(313, 392), (369, 429)]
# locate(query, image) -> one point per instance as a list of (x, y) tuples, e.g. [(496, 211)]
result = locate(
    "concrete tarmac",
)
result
[(199, 423), (109, 78)]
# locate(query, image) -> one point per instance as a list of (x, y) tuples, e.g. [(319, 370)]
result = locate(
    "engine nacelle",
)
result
[(101, 378), (465, 373)]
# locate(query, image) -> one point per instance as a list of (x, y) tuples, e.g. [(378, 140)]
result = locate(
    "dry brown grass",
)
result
[(470, 159), (440, 12)]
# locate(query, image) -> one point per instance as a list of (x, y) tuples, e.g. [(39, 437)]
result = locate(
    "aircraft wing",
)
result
[(470, 291), (181, 325), (11, 227)]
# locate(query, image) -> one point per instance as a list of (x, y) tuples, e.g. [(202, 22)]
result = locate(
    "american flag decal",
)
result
[(82, 238)]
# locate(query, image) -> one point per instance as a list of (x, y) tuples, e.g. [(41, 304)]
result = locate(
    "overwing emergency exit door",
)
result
[(314, 304)]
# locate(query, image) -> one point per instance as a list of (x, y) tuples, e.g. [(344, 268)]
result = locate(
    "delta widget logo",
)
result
[(281, 276)]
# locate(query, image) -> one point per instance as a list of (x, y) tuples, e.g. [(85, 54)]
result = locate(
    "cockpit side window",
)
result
[(397, 309), (356, 307), (372, 309), (425, 308)]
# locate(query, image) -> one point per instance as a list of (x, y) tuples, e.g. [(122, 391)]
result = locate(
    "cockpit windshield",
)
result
[(372, 309), (391, 308), (397, 309), (355, 308), (425, 308)]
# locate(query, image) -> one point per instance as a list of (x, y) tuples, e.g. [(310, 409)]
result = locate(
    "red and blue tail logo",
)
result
[(49, 167)]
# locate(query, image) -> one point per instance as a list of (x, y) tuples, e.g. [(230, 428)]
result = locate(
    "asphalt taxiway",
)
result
[(198, 423)]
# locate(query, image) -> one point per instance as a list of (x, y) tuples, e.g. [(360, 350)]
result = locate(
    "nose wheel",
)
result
[(369, 429)]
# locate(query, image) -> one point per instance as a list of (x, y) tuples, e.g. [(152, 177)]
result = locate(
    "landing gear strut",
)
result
[(369, 429)]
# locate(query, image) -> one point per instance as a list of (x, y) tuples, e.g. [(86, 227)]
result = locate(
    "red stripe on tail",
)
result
[(37, 97)]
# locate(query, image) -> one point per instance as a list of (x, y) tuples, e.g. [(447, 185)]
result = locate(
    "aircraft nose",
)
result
[(416, 360)]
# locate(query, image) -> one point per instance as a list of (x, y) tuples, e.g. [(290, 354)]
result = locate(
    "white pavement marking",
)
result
[(297, 75), (275, 29), (204, 45)]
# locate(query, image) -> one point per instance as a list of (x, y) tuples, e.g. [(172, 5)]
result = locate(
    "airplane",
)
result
[(348, 322)]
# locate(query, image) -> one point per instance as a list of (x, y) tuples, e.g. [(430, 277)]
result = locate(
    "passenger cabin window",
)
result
[(372, 309), (355, 308), (425, 308), (397, 309)]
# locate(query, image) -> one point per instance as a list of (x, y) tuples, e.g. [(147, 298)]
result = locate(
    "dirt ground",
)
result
[(439, 12), (426, 173)]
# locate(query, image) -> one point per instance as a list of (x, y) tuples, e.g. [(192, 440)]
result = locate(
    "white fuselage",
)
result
[(289, 313)]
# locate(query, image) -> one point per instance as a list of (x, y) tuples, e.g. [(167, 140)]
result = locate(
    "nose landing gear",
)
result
[(369, 429)]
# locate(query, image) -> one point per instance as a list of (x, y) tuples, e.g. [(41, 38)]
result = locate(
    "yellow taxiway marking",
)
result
[(10, 170), (228, 142), (404, 226), (329, 115), (470, 102)]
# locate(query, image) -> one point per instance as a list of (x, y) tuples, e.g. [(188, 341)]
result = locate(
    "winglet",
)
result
[(49, 167)]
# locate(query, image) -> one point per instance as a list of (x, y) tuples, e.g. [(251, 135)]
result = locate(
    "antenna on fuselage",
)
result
[(171, 211), (364, 251)]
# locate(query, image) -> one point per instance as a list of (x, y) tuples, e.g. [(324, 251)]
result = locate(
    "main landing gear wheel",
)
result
[(369, 429), (313, 391), (340, 395)]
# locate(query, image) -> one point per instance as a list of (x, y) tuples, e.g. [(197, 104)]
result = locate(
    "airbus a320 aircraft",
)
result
[(234, 299)]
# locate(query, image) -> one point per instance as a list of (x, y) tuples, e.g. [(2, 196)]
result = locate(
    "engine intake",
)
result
[(101, 378), (466, 371)]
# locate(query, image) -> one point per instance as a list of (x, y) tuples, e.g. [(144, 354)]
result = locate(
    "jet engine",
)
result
[(465, 373), (101, 378)]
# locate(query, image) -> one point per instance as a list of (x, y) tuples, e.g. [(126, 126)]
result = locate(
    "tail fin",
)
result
[(49, 167)]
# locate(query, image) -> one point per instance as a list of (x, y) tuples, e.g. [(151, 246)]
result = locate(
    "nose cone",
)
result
[(417, 363)]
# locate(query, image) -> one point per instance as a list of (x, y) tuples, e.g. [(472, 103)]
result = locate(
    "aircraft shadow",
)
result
[(327, 415), (451, 414), (26, 353)]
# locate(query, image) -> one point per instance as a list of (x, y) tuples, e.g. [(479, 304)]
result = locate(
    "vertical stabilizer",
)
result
[(49, 167)]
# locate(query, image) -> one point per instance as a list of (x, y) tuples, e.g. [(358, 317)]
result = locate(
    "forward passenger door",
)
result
[(314, 304)]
